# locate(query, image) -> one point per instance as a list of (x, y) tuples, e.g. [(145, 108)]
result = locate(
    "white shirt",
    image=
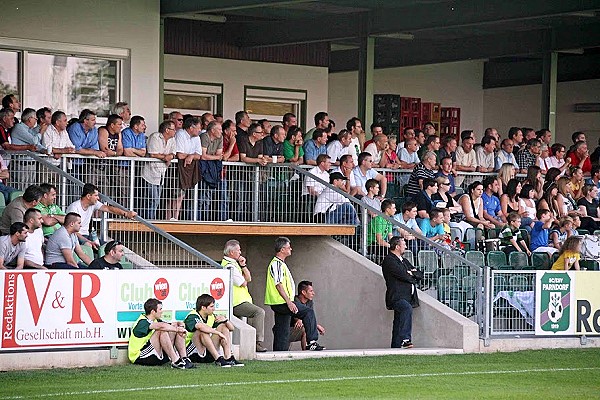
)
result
[(352, 180), (372, 149), (310, 182), (33, 247), (186, 144), (335, 150), (52, 138), (86, 215), (328, 201), (354, 149)]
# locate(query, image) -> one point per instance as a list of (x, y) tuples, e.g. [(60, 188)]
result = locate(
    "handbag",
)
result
[(457, 217)]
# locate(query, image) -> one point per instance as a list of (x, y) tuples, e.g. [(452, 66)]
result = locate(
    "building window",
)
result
[(9, 73), (192, 97), (272, 103)]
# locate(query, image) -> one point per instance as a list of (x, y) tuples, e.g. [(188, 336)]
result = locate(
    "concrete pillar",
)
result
[(161, 71), (366, 62), (549, 81)]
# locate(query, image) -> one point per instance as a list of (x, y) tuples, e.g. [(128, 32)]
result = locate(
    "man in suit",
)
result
[(401, 293)]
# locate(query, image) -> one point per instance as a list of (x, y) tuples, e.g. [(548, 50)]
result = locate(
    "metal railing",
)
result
[(147, 246), (511, 304)]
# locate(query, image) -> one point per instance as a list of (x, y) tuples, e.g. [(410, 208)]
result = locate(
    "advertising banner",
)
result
[(567, 303), (54, 309)]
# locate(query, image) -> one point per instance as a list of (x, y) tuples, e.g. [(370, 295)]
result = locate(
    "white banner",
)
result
[(79, 308)]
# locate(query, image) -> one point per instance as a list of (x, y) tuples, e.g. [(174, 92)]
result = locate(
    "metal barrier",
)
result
[(511, 303), (146, 245)]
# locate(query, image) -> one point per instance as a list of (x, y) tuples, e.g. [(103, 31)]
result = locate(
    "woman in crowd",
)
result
[(472, 206), (569, 255), (576, 182), (549, 200), (566, 203), (588, 205), (389, 158), (552, 176), (505, 174), (509, 201), (442, 199), (557, 159), (534, 178), (527, 205)]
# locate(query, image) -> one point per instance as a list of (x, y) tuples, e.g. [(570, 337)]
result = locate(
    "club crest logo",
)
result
[(555, 300)]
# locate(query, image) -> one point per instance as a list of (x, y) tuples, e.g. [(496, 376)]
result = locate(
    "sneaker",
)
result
[(260, 348), (188, 363), (223, 363), (406, 344), (179, 364), (314, 346), (234, 362)]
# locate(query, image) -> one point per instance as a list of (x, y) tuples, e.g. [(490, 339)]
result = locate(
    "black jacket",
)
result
[(397, 280)]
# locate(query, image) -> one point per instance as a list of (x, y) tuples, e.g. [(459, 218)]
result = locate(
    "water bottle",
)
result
[(93, 235)]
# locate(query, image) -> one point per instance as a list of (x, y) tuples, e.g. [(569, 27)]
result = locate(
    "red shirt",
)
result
[(587, 164)]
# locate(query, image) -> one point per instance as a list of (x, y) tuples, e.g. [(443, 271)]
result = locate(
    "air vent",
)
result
[(587, 107)]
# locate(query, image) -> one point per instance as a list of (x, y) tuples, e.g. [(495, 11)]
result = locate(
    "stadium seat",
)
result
[(460, 271), (499, 283), (519, 283), (591, 265), (583, 232), (473, 234), (597, 232), (451, 261), (540, 261), (2, 204), (518, 260), (469, 291), (504, 267), (476, 257), (428, 261), (124, 261), (407, 254), (448, 291), (456, 233), (553, 258), (495, 258), (15, 194), (493, 233)]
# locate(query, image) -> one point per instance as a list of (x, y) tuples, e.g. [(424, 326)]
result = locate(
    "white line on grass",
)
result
[(280, 381)]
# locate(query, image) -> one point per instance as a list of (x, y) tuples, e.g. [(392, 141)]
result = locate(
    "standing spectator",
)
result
[(114, 179), (466, 159), (213, 190), (312, 188), (11, 102), (580, 157), (423, 170), (544, 136), (485, 154), (516, 135), (231, 152), (34, 254), (409, 133), (122, 110), (528, 156), (188, 151), (279, 294), (52, 215), (177, 118), (84, 136), (7, 123), (13, 247), (364, 171), (293, 150), (313, 148), (321, 122), (251, 152), (389, 158), (242, 300), (448, 149), (134, 145), (305, 295), (354, 126), (15, 211), (63, 243), (576, 137), (161, 146), (446, 171), (24, 134), (557, 159), (376, 149), (207, 118), (242, 123), (288, 121), (56, 141), (5, 175), (505, 155), (401, 292), (432, 143), (114, 252)]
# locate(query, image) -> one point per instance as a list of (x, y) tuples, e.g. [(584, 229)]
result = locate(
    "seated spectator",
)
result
[(423, 170), (485, 154), (333, 206), (441, 199), (576, 137), (472, 205), (509, 201), (4, 176), (63, 243), (114, 252), (389, 158), (448, 149), (292, 147), (312, 187), (576, 182), (560, 232), (505, 174), (541, 160), (447, 173), (590, 202), (491, 202), (409, 133), (379, 230), (321, 122), (346, 168), (376, 148), (557, 159), (432, 143), (161, 146), (423, 198), (207, 333), (15, 211), (85, 208), (505, 155), (527, 206), (528, 156), (466, 159), (44, 119), (52, 215), (534, 178), (580, 157), (594, 179), (433, 227), (151, 337), (34, 254), (549, 201), (516, 135), (595, 157), (13, 247), (408, 157), (569, 255), (540, 233), (408, 218), (315, 147), (364, 171), (372, 198), (511, 239), (305, 296)]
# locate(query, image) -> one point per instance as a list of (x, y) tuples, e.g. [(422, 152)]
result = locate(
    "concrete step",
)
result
[(300, 355)]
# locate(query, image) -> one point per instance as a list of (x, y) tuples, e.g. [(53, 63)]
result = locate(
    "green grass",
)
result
[(528, 374)]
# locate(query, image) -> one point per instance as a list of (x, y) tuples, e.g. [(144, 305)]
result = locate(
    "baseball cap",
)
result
[(336, 175)]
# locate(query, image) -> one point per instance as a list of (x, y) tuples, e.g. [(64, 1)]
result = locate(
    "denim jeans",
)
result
[(283, 317), (153, 195), (402, 325), (210, 200), (344, 214), (6, 191)]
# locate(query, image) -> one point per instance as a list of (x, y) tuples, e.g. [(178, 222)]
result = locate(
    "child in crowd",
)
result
[(510, 237), (559, 233), (569, 255), (540, 233), (446, 221)]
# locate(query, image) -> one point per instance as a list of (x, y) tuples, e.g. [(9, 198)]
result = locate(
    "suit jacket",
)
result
[(397, 280)]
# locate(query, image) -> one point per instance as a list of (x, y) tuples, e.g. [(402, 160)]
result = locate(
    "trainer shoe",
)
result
[(179, 364), (223, 363), (188, 363), (314, 346), (406, 344), (260, 348), (234, 362)]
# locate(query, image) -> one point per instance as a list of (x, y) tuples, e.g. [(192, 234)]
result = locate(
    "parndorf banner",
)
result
[(567, 303), (84, 308)]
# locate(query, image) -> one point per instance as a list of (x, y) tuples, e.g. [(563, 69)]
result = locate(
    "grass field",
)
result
[(546, 374)]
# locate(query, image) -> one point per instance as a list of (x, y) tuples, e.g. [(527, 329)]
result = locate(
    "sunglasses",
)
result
[(111, 245)]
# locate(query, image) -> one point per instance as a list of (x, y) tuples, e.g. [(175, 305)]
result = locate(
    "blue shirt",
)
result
[(311, 151), (83, 140), (431, 231), (361, 179), (539, 235), (131, 140), (491, 205)]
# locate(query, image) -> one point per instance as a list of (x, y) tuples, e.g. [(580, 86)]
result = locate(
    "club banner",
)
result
[(52, 309), (567, 303)]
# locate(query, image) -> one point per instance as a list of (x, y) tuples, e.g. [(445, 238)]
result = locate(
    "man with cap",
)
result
[(333, 205)]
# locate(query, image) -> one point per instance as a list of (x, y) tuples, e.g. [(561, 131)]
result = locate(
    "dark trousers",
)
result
[(283, 318), (402, 326)]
